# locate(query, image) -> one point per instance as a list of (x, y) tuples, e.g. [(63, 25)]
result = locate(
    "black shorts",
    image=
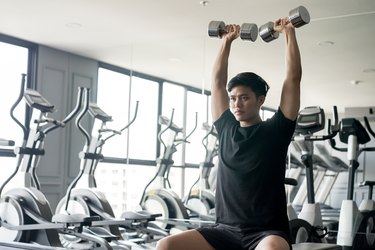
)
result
[(223, 237)]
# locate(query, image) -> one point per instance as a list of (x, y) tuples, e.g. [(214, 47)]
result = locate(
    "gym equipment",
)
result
[(356, 229), (368, 204), (301, 230), (298, 17), (4, 142), (309, 121), (326, 171), (6, 152), (201, 199), (248, 31), (334, 166), (25, 213), (160, 198), (84, 197)]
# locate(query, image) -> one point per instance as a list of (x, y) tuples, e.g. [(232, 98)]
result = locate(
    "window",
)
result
[(113, 98), (137, 149), (14, 61), (144, 130), (173, 99), (196, 103), (119, 93)]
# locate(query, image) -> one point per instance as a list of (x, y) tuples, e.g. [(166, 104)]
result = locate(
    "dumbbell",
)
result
[(298, 17), (248, 31)]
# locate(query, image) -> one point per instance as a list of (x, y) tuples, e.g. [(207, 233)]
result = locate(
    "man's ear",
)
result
[(261, 100)]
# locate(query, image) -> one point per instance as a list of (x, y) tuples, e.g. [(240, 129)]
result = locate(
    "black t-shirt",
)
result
[(250, 181)]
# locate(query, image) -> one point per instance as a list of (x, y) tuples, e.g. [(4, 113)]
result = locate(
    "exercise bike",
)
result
[(368, 204), (309, 121), (356, 228), (25, 213)]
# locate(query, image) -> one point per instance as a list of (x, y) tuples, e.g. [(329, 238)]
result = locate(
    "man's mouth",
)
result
[(238, 112)]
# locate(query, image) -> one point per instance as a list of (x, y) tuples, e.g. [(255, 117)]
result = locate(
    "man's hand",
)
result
[(283, 25), (232, 32)]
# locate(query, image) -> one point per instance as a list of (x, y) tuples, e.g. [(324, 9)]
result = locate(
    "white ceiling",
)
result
[(168, 39)]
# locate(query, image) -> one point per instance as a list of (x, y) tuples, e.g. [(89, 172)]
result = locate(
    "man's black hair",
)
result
[(251, 80)]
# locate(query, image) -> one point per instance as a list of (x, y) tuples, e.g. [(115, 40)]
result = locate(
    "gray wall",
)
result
[(58, 76)]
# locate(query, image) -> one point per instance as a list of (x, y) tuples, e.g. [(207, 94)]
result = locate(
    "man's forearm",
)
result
[(220, 69), (293, 58)]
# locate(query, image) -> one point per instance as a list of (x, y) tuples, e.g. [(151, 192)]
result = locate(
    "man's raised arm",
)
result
[(220, 101), (290, 95)]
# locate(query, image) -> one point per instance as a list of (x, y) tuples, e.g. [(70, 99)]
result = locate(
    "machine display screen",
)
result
[(309, 118)]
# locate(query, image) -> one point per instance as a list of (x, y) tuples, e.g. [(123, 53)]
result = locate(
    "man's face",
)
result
[(245, 105)]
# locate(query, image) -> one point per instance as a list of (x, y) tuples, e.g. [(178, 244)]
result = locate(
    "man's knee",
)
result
[(164, 244), (273, 242)]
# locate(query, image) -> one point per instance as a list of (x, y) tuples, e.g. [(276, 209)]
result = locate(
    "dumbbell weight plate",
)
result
[(267, 33), (216, 28), (249, 31), (299, 16)]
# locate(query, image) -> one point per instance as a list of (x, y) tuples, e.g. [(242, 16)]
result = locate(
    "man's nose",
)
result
[(238, 102)]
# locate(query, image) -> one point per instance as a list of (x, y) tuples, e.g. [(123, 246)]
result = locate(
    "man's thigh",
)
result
[(186, 240)]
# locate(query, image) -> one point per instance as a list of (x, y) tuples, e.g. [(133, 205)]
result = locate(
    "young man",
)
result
[(250, 196)]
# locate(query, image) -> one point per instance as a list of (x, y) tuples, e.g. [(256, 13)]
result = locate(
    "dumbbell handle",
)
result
[(248, 31)]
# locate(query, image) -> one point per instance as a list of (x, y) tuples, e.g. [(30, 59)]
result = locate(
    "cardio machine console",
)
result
[(35, 100), (98, 113), (310, 120)]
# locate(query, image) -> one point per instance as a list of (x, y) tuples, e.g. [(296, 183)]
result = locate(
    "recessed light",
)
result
[(73, 25), (204, 2), (326, 43), (355, 82)]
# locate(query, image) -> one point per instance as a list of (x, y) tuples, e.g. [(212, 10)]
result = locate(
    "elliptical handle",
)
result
[(162, 120), (76, 108), (115, 132), (86, 98), (335, 128), (210, 131), (134, 117), (195, 127), (70, 116), (20, 96), (369, 129)]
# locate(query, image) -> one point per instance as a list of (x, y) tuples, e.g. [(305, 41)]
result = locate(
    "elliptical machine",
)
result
[(25, 213), (84, 197), (201, 199), (160, 198), (356, 228)]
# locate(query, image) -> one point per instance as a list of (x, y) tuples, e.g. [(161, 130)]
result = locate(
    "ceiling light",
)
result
[(355, 82), (73, 25), (326, 43), (204, 2)]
